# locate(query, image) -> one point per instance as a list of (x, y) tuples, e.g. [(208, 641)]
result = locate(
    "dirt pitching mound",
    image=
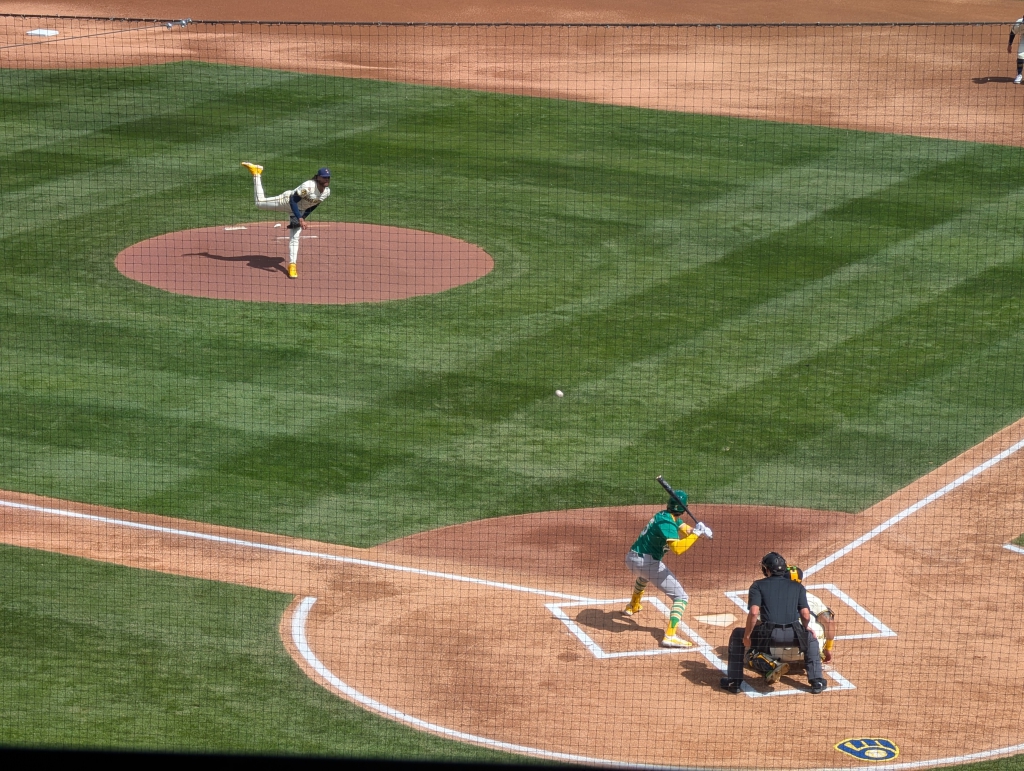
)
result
[(339, 263)]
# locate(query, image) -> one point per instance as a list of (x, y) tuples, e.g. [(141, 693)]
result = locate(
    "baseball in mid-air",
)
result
[(559, 393)]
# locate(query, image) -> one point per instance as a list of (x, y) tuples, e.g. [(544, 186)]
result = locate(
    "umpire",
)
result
[(777, 617)]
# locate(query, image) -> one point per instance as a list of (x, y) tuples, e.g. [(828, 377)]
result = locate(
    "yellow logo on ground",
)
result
[(869, 749)]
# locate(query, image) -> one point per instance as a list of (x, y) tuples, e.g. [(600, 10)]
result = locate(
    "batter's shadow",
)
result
[(255, 261), (992, 79), (613, 621)]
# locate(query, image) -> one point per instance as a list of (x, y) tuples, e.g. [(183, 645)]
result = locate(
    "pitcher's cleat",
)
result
[(632, 609), (675, 641), (773, 677), (254, 168), (293, 271)]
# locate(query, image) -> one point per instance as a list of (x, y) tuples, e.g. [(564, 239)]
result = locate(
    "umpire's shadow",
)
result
[(256, 261), (614, 621), (700, 672)]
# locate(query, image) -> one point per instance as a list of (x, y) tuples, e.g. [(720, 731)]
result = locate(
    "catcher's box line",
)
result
[(702, 647), (297, 629), (883, 630)]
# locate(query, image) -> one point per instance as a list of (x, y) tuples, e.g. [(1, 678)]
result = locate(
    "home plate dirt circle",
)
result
[(507, 632), (339, 262)]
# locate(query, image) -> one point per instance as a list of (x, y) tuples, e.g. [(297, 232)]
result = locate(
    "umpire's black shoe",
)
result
[(819, 685), (733, 686)]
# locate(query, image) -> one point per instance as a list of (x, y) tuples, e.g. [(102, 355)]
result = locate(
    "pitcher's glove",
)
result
[(293, 222)]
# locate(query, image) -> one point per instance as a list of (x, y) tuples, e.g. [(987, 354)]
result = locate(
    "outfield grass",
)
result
[(761, 312)]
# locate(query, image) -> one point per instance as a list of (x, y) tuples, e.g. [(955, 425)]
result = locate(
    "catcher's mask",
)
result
[(796, 574), (674, 506), (773, 564)]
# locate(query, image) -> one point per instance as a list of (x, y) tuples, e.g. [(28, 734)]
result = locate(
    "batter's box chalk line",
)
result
[(599, 652), (701, 646), (860, 610)]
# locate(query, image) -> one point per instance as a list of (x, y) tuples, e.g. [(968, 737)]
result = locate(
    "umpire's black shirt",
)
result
[(780, 599)]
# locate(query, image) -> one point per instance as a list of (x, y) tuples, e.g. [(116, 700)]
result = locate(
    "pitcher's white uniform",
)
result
[(1015, 32), (300, 202)]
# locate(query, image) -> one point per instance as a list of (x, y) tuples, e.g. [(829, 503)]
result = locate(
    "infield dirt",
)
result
[(453, 627)]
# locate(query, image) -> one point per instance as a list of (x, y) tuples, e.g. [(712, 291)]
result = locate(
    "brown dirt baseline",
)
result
[(339, 262), (506, 632), (921, 81)]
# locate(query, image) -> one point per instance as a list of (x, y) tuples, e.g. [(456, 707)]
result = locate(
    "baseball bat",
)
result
[(672, 493)]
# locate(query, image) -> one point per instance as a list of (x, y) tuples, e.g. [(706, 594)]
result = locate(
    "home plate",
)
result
[(721, 619)]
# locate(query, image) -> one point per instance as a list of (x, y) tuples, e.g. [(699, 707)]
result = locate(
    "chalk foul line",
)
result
[(287, 550), (910, 510)]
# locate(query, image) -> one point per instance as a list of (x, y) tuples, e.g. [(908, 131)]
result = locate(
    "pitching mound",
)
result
[(339, 262)]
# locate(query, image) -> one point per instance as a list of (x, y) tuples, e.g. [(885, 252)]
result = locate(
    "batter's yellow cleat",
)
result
[(675, 641), (293, 270), (632, 609), (254, 168)]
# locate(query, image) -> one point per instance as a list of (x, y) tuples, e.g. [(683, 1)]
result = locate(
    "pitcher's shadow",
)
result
[(256, 261)]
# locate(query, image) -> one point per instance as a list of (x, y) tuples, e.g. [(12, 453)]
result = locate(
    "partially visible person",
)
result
[(822, 623), (1015, 31)]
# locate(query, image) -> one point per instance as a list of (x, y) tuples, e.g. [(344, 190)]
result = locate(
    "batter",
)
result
[(644, 560), (300, 202)]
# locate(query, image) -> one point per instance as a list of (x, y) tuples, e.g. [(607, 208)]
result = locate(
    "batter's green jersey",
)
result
[(654, 538)]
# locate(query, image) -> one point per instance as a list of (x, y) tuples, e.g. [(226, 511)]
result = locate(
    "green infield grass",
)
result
[(763, 313)]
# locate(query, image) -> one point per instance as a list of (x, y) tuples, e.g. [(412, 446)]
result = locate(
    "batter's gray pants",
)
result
[(645, 566)]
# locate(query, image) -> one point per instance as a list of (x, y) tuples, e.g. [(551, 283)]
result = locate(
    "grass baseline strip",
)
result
[(907, 512), (289, 550)]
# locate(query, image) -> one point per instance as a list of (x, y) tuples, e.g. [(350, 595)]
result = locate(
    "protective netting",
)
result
[(341, 451)]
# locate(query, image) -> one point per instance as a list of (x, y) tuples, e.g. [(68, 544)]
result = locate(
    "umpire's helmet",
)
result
[(773, 564), (675, 506)]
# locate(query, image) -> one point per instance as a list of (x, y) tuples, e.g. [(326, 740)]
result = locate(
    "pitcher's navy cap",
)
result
[(324, 173)]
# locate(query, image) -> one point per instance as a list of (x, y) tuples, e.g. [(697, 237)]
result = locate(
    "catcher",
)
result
[(822, 624), (778, 617), (644, 560)]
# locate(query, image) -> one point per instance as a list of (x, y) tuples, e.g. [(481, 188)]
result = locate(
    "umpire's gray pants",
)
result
[(645, 566)]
